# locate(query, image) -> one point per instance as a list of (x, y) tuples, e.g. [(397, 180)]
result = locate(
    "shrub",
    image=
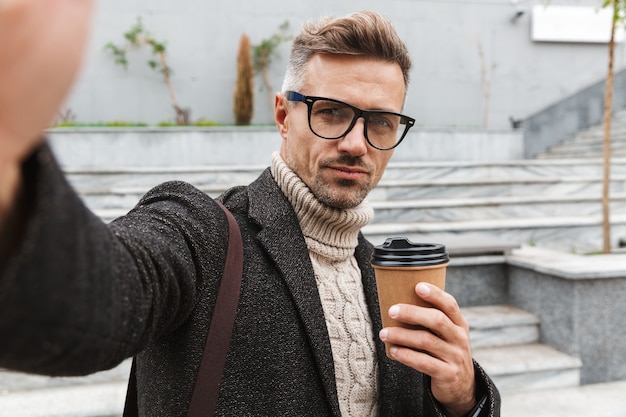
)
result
[(243, 100)]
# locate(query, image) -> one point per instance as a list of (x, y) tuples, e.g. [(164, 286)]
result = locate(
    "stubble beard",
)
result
[(343, 194), (340, 193)]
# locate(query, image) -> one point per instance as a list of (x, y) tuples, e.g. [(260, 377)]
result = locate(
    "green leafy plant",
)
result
[(205, 123), (166, 123), (113, 123), (264, 52), (123, 123), (65, 117), (197, 123), (137, 36)]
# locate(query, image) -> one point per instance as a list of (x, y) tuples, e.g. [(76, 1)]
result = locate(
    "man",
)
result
[(78, 296)]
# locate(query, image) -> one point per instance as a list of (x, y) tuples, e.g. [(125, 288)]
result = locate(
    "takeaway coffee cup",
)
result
[(400, 265)]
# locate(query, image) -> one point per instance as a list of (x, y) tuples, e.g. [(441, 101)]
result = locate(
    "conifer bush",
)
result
[(243, 100)]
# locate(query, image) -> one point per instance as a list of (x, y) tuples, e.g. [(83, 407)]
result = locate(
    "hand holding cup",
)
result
[(400, 265)]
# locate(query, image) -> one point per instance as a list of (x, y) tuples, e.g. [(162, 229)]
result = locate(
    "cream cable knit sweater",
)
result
[(331, 236)]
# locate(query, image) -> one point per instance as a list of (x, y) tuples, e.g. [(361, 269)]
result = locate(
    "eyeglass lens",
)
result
[(332, 120)]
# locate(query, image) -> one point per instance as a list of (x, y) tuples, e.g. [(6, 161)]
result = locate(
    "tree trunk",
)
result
[(608, 109), (484, 81), (268, 86)]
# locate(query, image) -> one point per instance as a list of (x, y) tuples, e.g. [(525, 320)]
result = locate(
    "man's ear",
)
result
[(281, 115)]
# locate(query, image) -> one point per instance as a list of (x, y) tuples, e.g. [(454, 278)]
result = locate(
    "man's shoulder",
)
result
[(264, 185), (179, 190)]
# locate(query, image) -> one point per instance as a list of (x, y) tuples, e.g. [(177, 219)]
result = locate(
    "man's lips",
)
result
[(349, 173)]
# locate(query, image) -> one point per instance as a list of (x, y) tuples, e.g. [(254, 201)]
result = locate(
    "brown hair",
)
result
[(362, 33)]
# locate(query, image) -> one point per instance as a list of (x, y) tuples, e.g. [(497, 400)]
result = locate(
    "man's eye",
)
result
[(336, 112), (331, 111), (380, 121)]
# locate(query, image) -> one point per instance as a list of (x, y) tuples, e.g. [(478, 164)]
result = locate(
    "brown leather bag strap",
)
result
[(207, 388)]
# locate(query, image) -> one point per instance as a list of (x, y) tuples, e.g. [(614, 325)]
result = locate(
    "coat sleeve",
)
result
[(487, 394), (78, 295)]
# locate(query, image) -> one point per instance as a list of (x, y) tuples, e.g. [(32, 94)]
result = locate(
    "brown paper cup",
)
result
[(396, 285)]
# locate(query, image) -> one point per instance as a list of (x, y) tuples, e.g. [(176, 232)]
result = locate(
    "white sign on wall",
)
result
[(556, 23)]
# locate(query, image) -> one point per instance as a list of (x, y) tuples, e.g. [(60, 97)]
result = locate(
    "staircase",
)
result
[(590, 142), (505, 341), (535, 380), (551, 203)]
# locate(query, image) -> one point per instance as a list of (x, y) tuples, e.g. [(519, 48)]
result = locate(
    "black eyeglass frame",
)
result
[(310, 100)]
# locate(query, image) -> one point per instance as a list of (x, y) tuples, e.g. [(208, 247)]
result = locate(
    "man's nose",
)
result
[(354, 141)]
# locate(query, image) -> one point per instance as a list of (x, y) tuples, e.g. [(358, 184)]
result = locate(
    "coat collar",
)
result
[(282, 238)]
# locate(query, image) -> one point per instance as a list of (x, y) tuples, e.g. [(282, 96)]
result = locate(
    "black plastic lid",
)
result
[(400, 251)]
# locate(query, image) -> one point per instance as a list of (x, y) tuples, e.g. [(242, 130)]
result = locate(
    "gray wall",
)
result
[(442, 35), (179, 147), (581, 316)]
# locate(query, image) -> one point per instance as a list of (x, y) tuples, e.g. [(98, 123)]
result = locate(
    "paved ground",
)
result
[(598, 400)]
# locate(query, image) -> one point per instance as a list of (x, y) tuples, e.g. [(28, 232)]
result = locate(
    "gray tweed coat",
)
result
[(78, 296)]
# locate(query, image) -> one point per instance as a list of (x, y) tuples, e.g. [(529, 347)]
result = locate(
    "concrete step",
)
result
[(408, 188), (11, 381), (587, 148), (488, 207), (588, 151), (125, 198), (597, 136), (563, 155), (89, 400), (595, 400), (594, 140), (445, 188), (578, 234), (527, 367), (404, 189), (419, 210), (505, 341), (469, 171), (560, 154), (509, 169), (98, 395), (500, 325), (148, 177), (618, 130)]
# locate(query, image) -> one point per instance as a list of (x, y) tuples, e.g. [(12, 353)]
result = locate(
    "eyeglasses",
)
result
[(333, 119)]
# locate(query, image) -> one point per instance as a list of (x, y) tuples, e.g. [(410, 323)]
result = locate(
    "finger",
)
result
[(40, 52), (421, 361), (444, 363), (423, 341), (442, 301), (449, 366), (432, 319)]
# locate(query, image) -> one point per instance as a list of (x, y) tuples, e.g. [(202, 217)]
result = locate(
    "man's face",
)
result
[(340, 172)]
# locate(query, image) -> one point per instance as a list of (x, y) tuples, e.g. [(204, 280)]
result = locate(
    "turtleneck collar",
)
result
[(325, 228)]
